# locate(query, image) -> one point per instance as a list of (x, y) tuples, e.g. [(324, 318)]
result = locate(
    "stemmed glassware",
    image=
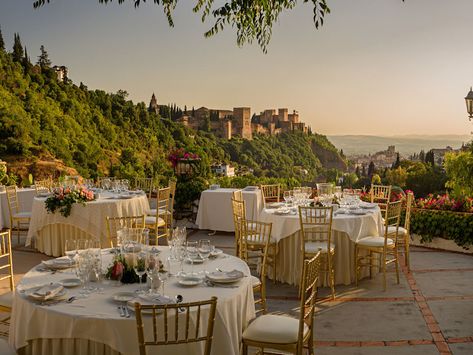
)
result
[(204, 248), (152, 267), (140, 262), (288, 197), (192, 252), (70, 249)]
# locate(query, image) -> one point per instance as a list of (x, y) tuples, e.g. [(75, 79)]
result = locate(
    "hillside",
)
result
[(52, 128)]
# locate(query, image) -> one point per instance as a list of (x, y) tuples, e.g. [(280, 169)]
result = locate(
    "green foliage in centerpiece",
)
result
[(120, 270), (64, 198)]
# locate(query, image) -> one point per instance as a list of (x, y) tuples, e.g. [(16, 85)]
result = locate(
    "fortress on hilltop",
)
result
[(236, 122)]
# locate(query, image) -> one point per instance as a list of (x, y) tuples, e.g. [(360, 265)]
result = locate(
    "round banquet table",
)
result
[(346, 230), (93, 325), (85, 221)]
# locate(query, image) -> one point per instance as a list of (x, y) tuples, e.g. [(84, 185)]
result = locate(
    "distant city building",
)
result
[(223, 170), (439, 154), (153, 105), (61, 72), (383, 159)]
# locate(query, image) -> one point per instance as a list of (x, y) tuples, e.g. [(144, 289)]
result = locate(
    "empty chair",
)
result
[(145, 184), (238, 195), (42, 186), (238, 211), (381, 195), (404, 233), (316, 236), (270, 193), (6, 272), (161, 222), (185, 328), (169, 210), (17, 216), (255, 232), (285, 333), (114, 224), (384, 246)]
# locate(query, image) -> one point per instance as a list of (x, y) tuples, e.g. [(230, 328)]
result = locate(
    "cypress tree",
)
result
[(43, 58), (17, 48), (371, 169), (2, 42)]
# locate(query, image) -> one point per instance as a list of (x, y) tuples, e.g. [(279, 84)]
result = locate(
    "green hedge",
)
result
[(455, 226)]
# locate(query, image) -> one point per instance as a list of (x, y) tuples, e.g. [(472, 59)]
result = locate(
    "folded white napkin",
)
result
[(47, 292)]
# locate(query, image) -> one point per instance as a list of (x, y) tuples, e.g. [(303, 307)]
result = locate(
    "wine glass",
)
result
[(139, 264), (83, 272), (288, 197), (163, 276), (152, 268), (192, 252), (204, 248), (70, 249)]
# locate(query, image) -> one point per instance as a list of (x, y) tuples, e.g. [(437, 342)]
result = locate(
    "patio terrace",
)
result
[(430, 312)]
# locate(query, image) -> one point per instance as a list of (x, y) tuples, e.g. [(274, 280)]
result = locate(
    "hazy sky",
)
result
[(376, 67)]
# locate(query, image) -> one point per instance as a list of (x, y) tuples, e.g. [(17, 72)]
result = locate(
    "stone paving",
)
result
[(429, 312)]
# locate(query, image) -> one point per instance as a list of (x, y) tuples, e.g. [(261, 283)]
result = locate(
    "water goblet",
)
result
[(204, 248), (139, 265), (192, 252), (70, 249)]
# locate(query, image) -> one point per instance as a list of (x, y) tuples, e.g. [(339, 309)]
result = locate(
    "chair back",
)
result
[(407, 220), (239, 215), (392, 216), (380, 193), (316, 224), (6, 263), (42, 186), (163, 198), (180, 323), (145, 184), (237, 195), (114, 224), (12, 198), (270, 193), (172, 186), (255, 232), (310, 277)]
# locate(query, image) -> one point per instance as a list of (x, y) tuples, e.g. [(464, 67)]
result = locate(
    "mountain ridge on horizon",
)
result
[(405, 144)]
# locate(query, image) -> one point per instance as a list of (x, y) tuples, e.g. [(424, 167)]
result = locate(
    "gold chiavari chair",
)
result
[(316, 236), (285, 333), (114, 224), (258, 233), (6, 272), (145, 184), (238, 195), (170, 209), (42, 186), (270, 193), (380, 194), (160, 223), (404, 233), (384, 246), (239, 215), (17, 216), (188, 315)]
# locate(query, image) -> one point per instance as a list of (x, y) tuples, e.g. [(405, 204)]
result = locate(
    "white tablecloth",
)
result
[(215, 208), (89, 220), (346, 229), (25, 198), (93, 325)]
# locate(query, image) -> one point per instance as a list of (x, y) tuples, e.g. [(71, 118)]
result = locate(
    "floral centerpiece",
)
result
[(121, 270), (181, 154), (63, 199), (446, 203)]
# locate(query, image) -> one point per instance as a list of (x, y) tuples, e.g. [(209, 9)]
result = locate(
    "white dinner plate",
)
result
[(368, 205), (275, 205), (70, 282), (358, 212), (149, 300), (30, 293), (58, 264), (282, 212), (225, 276), (124, 296), (195, 261), (191, 279), (216, 252)]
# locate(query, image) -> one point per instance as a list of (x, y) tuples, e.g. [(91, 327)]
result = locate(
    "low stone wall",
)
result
[(440, 243)]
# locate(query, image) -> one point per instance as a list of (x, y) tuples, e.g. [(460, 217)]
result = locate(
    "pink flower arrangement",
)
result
[(64, 198), (446, 203), (181, 154)]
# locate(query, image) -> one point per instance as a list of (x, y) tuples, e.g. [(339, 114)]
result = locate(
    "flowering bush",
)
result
[(446, 203), (181, 154), (64, 198)]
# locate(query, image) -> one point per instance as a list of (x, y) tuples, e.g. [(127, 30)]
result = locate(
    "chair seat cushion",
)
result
[(22, 215), (255, 239), (5, 348), (153, 211), (6, 300), (400, 231), (374, 242), (313, 247), (150, 220), (272, 328), (255, 281)]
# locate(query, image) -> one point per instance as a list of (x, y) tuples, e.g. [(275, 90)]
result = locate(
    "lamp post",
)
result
[(469, 104)]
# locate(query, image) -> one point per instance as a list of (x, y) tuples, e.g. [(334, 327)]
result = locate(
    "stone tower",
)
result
[(153, 105), (242, 117)]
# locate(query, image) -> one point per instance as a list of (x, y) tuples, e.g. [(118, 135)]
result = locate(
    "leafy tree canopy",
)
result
[(253, 20)]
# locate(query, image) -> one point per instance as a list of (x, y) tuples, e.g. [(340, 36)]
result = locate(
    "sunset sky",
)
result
[(376, 67)]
